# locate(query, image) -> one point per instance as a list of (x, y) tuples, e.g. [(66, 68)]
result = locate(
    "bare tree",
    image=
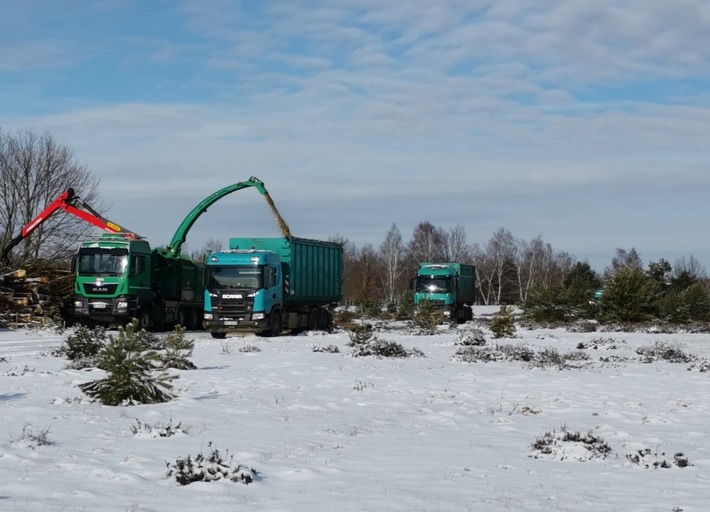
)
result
[(392, 254), (211, 245), (689, 266), (623, 259), (367, 268), (457, 247), (533, 258), (35, 170), (495, 267), (350, 258), (428, 243)]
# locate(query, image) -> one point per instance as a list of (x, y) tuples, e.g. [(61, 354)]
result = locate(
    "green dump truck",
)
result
[(119, 278), (266, 285), (448, 286)]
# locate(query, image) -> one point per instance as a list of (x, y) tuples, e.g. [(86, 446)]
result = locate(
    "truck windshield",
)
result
[(102, 261), (235, 277), (427, 284)]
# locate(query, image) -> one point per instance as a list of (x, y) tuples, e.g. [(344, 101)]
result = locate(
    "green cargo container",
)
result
[(312, 269)]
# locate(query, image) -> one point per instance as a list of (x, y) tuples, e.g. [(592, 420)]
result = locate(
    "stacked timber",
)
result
[(26, 300)]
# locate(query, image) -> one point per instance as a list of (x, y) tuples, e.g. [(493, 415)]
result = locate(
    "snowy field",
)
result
[(326, 431)]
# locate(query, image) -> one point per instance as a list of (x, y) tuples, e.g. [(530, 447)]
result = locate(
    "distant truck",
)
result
[(266, 285), (449, 286)]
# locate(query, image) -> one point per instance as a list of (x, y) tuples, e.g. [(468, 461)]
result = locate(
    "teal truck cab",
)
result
[(448, 286), (265, 285)]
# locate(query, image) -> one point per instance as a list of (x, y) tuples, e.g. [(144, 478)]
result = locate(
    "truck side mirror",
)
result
[(74, 260)]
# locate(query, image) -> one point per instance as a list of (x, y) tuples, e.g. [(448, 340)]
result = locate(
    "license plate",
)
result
[(231, 322), (99, 305)]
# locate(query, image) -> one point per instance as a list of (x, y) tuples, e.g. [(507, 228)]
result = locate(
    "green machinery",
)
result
[(119, 276)]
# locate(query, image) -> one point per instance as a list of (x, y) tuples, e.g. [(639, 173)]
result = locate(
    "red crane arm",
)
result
[(68, 202)]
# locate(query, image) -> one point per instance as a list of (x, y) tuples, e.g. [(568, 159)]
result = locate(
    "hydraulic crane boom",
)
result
[(70, 203), (178, 240)]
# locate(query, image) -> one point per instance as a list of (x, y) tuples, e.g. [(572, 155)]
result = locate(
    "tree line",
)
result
[(551, 285), (508, 269)]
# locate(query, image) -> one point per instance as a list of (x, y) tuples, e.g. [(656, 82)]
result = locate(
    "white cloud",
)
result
[(401, 111)]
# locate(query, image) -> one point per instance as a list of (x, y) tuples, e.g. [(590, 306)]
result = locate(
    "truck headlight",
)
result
[(122, 304), (207, 316), (447, 313), (78, 304), (257, 316)]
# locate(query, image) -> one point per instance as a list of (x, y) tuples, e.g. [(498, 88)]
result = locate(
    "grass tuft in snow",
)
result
[(366, 343), (662, 351), (565, 444), (600, 344), (209, 468), (471, 338), (647, 459), (34, 438), (249, 348), (545, 358), (332, 349), (142, 429)]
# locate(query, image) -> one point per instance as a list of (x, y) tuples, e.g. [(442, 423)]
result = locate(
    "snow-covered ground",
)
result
[(327, 431)]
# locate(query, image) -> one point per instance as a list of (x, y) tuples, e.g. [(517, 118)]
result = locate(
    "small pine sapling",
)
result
[(428, 317), (133, 375), (178, 350), (502, 325), (84, 343)]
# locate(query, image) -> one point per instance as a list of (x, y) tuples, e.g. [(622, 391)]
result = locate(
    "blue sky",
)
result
[(583, 121)]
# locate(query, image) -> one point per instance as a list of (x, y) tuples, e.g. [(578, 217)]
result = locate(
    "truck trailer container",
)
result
[(266, 285)]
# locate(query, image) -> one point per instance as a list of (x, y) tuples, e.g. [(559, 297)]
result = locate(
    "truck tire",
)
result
[(219, 335), (193, 319), (324, 320), (181, 317), (274, 325), (145, 320), (313, 319)]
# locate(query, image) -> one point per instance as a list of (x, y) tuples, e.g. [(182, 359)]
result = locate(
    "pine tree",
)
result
[(502, 325), (178, 350), (132, 371)]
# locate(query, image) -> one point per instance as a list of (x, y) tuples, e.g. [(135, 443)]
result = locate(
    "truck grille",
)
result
[(100, 289), (233, 308)]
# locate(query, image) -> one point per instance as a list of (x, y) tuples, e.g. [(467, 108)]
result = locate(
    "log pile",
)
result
[(31, 300)]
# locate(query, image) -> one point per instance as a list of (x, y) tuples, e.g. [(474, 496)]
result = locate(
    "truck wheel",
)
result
[(180, 318), (313, 319), (144, 319), (274, 324), (193, 322), (219, 335), (324, 320)]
